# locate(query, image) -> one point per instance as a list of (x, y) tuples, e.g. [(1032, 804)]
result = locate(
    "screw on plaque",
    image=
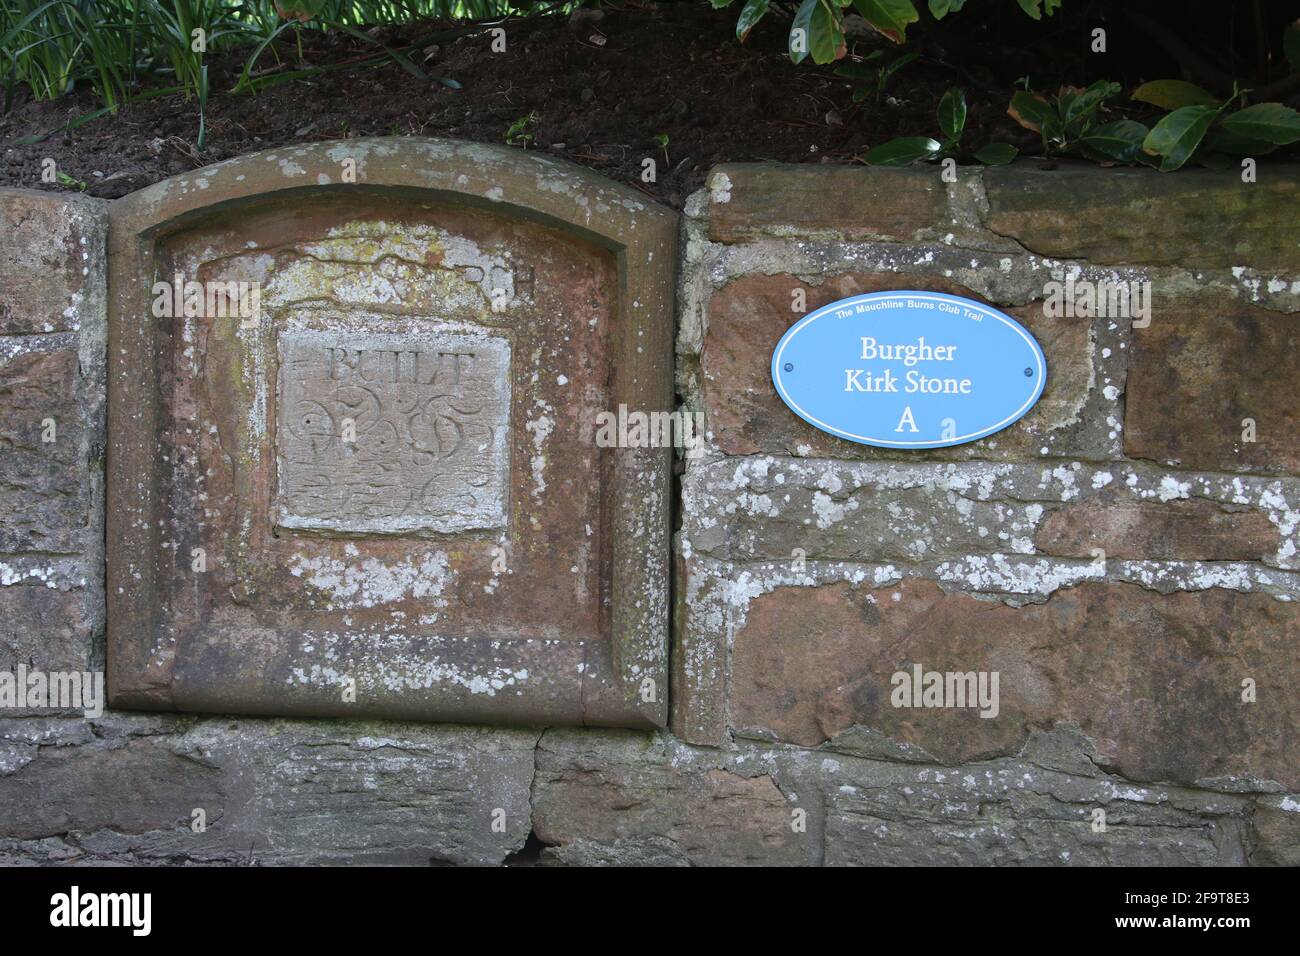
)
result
[(1029, 372), (789, 366)]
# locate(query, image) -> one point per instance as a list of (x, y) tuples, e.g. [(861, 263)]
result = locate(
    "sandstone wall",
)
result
[(1121, 557)]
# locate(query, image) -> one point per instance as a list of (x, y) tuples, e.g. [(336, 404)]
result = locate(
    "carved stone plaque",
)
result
[(392, 433), (383, 493)]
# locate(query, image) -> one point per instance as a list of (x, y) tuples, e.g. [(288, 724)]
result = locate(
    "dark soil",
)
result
[(603, 86)]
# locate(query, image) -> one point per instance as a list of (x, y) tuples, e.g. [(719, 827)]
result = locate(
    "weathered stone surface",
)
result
[(639, 799), (312, 792), (763, 199), (1152, 680), (1276, 832), (46, 628), (51, 260), (271, 792), (1205, 365), (44, 485), (380, 793), (1039, 807), (748, 316), (429, 445), (1185, 530), (1155, 680), (1010, 812), (129, 786), (1139, 216), (476, 553), (779, 509), (52, 330), (699, 659), (772, 508)]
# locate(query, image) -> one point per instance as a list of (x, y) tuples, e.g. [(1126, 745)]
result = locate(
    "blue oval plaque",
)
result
[(908, 369)]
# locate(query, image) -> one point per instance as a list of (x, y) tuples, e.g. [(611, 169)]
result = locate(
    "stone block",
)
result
[(1175, 530), (1197, 219), (1155, 680), (51, 261), (1206, 364), (757, 200), (270, 792), (638, 799), (744, 415)]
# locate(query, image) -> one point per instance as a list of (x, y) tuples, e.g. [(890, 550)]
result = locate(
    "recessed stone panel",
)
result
[(373, 489)]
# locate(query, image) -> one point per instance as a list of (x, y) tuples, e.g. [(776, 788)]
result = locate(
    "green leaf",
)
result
[(1031, 111), (1175, 138), (719, 4), (1266, 122), (399, 58), (996, 154), (1291, 44), (952, 113), (750, 14), (203, 107), (941, 8), (1121, 140), (1031, 7), (1229, 143), (244, 76), (857, 71), (1086, 103), (17, 28), (895, 65), (1173, 94), (900, 152), (889, 17), (819, 23)]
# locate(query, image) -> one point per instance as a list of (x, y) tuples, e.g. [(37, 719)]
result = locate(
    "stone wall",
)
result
[(52, 398), (1120, 557)]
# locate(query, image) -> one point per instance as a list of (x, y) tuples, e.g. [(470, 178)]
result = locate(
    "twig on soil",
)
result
[(184, 146)]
